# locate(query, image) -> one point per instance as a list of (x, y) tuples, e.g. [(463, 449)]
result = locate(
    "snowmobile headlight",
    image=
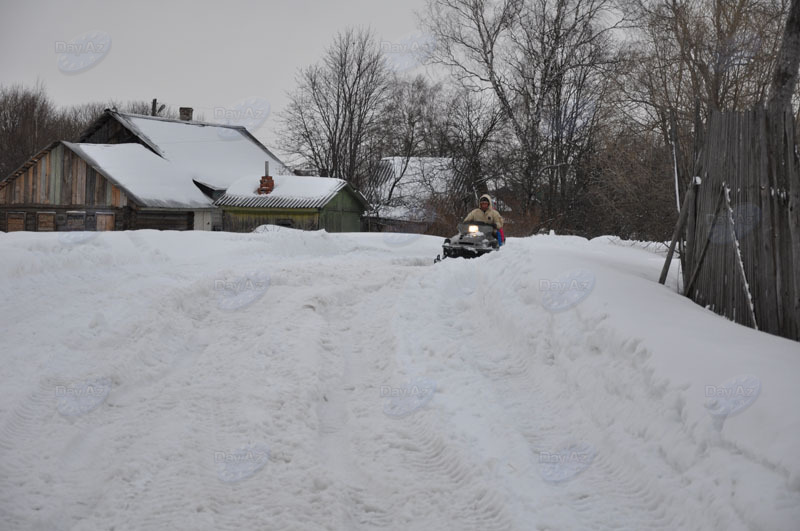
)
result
[(473, 228)]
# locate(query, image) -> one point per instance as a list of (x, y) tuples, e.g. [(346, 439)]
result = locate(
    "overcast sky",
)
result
[(205, 54)]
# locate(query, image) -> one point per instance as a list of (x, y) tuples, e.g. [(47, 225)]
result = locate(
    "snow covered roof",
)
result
[(171, 158), (213, 154), (151, 180), (290, 191)]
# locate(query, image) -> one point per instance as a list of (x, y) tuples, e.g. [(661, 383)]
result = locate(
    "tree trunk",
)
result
[(784, 78)]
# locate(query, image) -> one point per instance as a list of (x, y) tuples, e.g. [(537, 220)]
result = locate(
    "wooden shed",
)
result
[(65, 188), (132, 172), (309, 203)]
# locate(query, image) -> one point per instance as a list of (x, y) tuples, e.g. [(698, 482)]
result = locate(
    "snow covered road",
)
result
[(290, 380)]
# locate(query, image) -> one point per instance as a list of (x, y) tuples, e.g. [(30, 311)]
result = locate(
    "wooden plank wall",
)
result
[(342, 213), (63, 218), (162, 220), (111, 132), (61, 177), (245, 220), (752, 153)]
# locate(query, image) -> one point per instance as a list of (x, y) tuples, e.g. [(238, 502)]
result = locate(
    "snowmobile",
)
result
[(473, 239)]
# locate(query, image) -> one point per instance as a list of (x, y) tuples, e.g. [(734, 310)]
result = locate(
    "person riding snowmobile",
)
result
[(487, 214)]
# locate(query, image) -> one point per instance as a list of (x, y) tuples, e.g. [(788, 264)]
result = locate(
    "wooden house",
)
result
[(68, 187), (309, 203), (132, 172)]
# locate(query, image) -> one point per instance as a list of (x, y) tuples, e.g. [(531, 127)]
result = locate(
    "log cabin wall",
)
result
[(57, 181)]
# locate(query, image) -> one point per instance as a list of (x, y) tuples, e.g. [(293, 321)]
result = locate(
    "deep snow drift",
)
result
[(293, 380)]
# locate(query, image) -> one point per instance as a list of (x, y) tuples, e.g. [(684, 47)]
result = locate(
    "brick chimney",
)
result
[(186, 114), (267, 184)]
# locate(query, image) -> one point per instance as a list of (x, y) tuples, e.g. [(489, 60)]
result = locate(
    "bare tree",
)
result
[(473, 119), (691, 57), (543, 61), (29, 121), (332, 120), (26, 123), (784, 78), (718, 51), (409, 109)]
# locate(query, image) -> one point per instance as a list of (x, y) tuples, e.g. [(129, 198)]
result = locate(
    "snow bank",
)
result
[(306, 380)]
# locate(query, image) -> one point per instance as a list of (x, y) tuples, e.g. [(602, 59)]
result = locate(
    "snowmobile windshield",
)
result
[(474, 228)]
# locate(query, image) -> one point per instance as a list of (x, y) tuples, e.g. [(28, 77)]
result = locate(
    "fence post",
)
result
[(687, 204)]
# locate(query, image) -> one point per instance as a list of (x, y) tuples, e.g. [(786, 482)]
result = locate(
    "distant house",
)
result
[(133, 172), (408, 191)]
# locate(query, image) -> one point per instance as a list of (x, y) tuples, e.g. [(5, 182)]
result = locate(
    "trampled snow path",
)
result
[(310, 381)]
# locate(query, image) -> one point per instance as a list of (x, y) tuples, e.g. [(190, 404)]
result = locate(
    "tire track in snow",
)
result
[(29, 420), (357, 342), (148, 473), (193, 421), (471, 501), (614, 490), (239, 409), (631, 475), (220, 420), (458, 493), (468, 459), (344, 334), (608, 381), (465, 373)]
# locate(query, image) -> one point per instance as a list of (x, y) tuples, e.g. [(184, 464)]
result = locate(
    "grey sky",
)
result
[(203, 54)]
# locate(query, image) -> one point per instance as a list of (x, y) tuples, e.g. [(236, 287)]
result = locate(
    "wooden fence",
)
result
[(742, 248)]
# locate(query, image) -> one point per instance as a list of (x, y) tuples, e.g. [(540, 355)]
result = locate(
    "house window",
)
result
[(76, 220), (16, 221), (45, 221)]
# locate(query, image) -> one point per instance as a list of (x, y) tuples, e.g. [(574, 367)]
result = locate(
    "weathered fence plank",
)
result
[(755, 243)]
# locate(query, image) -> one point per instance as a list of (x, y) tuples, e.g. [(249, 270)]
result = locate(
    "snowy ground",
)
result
[(307, 381)]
